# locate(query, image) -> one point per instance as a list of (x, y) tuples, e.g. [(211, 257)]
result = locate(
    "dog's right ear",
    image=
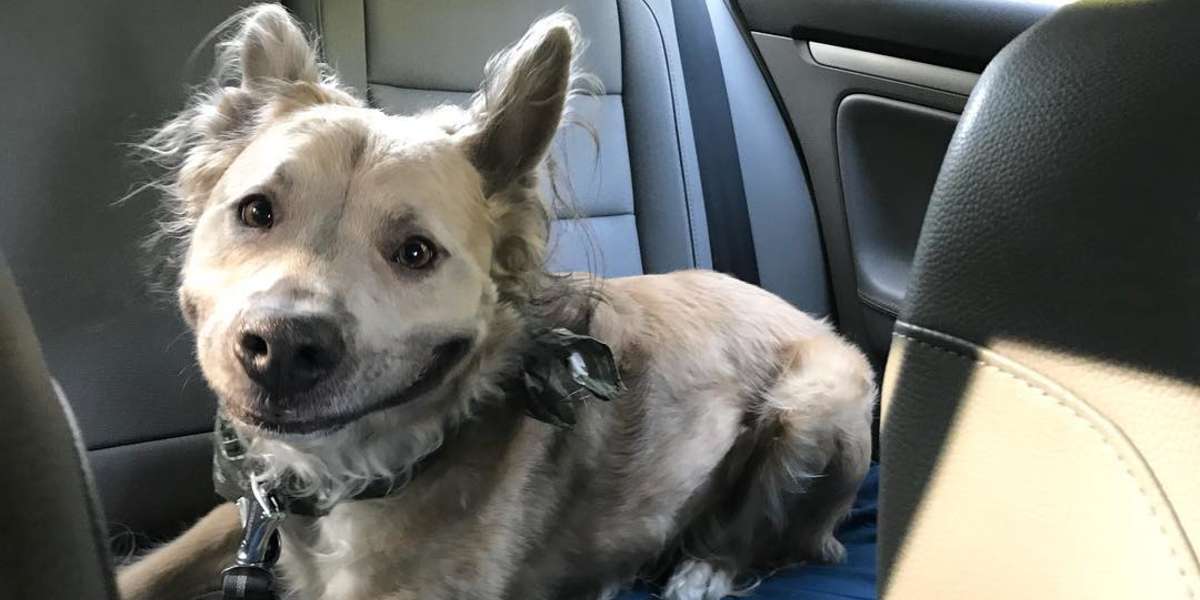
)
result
[(268, 59), (265, 67), (269, 49)]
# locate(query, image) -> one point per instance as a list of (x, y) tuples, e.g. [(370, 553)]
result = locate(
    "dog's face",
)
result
[(342, 257), (341, 262)]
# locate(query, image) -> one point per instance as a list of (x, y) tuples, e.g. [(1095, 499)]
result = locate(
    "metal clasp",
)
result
[(250, 577), (261, 516)]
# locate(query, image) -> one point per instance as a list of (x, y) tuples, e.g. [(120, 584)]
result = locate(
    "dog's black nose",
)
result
[(288, 354)]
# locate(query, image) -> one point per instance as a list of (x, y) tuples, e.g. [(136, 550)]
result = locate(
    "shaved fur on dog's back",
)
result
[(737, 447)]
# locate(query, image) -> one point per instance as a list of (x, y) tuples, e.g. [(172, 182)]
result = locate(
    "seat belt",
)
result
[(729, 233), (342, 25)]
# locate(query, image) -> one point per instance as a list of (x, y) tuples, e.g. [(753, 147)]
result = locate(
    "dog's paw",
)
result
[(698, 580), (823, 549), (609, 592), (831, 551)]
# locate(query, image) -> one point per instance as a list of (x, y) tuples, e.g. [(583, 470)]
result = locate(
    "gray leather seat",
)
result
[(407, 56), (1041, 409)]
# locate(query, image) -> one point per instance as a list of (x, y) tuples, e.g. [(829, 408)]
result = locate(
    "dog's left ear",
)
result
[(520, 105)]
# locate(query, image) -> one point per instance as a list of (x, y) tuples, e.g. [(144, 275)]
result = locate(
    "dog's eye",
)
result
[(415, 253), (255, 211)]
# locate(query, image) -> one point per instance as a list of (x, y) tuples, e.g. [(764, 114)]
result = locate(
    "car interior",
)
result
[(997, 200)]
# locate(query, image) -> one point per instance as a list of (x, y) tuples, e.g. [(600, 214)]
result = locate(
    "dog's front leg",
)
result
[(189, 566)]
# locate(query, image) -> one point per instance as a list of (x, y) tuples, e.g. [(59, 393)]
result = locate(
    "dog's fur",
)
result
[(738, 446)]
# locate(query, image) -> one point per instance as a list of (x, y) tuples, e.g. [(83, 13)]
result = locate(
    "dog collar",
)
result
[(234, 478), (559, 369)]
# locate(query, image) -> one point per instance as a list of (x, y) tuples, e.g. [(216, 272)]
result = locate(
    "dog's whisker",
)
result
[(182, 334)]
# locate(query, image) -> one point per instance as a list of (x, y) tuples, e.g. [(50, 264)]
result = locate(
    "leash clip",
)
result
[(250, 577)]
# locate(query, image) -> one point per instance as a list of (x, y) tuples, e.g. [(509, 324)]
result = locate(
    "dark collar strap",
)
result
[(231, 476)]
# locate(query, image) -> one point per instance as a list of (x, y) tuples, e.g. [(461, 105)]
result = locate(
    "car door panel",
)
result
[(813, 95), (872, 90), (889, 154), (963, 34)]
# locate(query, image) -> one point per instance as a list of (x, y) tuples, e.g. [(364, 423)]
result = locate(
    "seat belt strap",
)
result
[(730, 236)]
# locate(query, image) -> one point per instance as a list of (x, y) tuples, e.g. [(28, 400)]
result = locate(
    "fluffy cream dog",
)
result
[(362, 287)]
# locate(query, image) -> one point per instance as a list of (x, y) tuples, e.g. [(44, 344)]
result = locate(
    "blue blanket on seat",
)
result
[(851, 580)]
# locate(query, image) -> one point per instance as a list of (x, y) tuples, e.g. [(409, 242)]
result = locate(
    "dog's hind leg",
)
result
[(823, 404), (793, 473), (188, 567), (828, 499)]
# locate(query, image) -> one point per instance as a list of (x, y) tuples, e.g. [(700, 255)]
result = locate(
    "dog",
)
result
[(362, 288)]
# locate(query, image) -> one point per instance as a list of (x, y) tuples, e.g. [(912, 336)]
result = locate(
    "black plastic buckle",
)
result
[(247, 583)]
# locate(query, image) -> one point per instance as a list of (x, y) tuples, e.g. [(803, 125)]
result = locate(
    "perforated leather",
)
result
[(1042, 414)]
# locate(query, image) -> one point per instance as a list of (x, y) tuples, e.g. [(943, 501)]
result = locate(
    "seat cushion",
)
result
[(853, 579)]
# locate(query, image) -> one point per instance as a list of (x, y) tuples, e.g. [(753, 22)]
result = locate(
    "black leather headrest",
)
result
[(1067, 212)]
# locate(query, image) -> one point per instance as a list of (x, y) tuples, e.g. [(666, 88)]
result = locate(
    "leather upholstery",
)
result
[(50, 527), (84, 80), (642, 149), (1042, 407)]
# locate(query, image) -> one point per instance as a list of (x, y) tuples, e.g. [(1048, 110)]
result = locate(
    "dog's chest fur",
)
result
[(450, 530), (514, 508)]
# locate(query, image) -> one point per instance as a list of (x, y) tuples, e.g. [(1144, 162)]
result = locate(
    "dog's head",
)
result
[(338, 262)]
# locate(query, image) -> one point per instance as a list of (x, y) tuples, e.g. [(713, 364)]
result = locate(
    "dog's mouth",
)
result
[(444, 358)]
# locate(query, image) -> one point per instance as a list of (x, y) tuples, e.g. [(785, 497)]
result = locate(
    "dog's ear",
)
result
[(519, 107), (265, 67), (272, 49)]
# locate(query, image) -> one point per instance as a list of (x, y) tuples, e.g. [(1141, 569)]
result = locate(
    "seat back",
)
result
[(86, 80), (1041, 409), (54, 545), (635, 137)]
